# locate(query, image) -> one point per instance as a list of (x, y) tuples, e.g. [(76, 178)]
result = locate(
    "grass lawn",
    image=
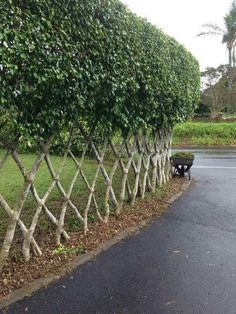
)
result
[(11, 180), (205, 134)]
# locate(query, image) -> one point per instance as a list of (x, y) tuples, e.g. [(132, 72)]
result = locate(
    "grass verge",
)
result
[(207, 134)]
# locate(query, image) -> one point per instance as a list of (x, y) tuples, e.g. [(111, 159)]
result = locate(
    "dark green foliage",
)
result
[(64, 61), (7, 128), (183, 155), (78, 143), (202, 109)]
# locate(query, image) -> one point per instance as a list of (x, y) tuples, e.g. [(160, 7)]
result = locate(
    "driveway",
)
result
[(183, 263)]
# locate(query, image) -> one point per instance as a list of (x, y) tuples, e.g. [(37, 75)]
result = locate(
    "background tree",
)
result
[(215, 90), (228, 35), (230, 21)]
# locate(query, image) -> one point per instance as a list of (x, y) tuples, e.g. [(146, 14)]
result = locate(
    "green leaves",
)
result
[(91, 60)]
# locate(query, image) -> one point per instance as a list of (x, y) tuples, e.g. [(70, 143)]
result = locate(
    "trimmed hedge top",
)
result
[(91, 60)]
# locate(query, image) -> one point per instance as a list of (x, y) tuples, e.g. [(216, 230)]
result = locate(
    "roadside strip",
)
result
[(213, 167)]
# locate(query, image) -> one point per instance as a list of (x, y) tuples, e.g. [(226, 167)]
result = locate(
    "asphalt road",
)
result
[(183, 263)]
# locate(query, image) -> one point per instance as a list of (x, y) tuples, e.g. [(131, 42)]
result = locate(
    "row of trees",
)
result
[(82, 66)]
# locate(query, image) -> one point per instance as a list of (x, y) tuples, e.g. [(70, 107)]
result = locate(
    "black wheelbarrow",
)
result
[(181, 165)]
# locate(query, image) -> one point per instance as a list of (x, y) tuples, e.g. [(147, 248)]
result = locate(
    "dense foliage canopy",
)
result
[(62, 61)]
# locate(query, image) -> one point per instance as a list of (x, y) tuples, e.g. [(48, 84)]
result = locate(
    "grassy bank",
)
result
[(205, 134)]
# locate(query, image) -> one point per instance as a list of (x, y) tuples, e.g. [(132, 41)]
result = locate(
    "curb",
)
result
[(37, 284)]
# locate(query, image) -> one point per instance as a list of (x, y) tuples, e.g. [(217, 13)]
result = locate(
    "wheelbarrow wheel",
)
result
[(173, 172), (189, 174)]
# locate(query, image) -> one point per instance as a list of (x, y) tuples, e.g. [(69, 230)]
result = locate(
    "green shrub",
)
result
[(64, 61)]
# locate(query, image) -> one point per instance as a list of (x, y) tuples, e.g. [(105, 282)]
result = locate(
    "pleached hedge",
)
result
[(93, 68)]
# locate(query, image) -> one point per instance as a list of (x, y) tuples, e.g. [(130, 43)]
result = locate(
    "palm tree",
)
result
[(228, 37)]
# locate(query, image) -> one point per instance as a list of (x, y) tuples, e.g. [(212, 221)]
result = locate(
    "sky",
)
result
[(183, 20)]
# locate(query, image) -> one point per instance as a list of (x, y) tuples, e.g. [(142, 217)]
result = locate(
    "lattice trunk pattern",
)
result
[(138, 164)]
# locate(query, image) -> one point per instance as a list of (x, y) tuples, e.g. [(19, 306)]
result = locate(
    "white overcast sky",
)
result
[(182, 19)]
